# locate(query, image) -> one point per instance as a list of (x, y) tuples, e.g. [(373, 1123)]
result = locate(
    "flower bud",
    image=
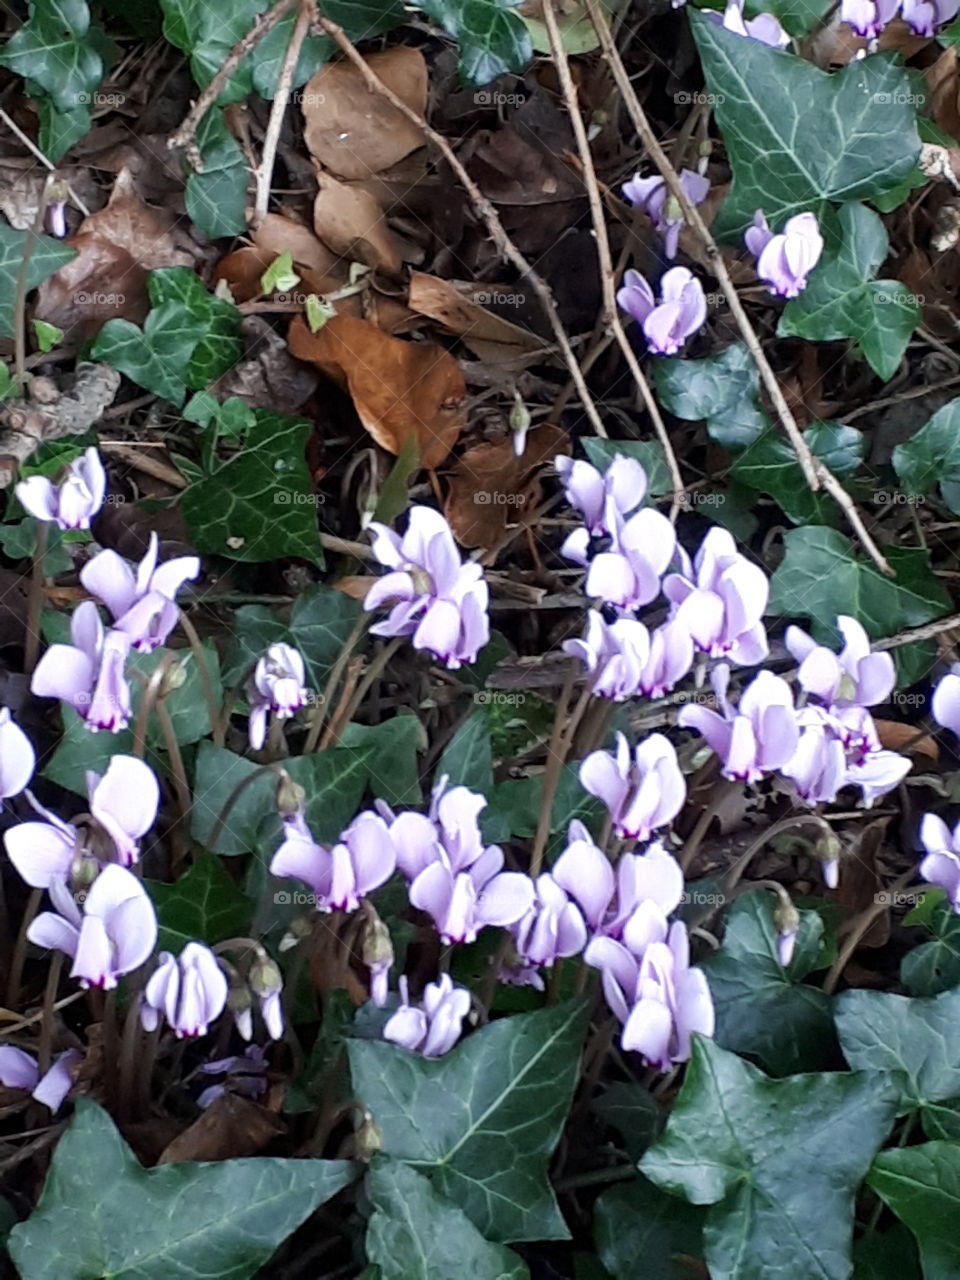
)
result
[(264, 977), (290, 795), (301, 927), (828, 849), (786, 919), (367, 1139), (175, 677)]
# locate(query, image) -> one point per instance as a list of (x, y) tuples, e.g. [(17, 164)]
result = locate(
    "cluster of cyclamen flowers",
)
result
[(924, 17)]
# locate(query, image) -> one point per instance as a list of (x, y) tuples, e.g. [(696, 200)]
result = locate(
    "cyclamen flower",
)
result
[(72, 503), (926, 17), (642, 793), (941, 866), (868, 17), (661, 207), (114, 933), (552, 928), (189, 990), (123, 804), (17, 757), (721, 599), (624, 483), (450, 833), (671, 657), (434, 1027), (89, 673), (142, 603), (945, 704), (666, 324), (756, 736), (784, 261), (18, 1070), (266, 982), (436, 599), (877, 774), (818, 766), (245, 1075), (462, 903), (55, 219), (764, 27), (615, 654), (277, 688), (853, 678), (627, 575), (360, 862)]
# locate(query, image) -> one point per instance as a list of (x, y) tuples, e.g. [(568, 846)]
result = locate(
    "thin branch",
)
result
[(278, 110)]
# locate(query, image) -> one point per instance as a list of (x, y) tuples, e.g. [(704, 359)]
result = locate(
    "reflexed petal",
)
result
[(40, 852), (585, 873), (601, 776), (64, 672), (110, 579), (648, 1031), (125, 799), (53, 932), (93, 960), (945, 704), (17, 757), (38, 496), (505, 898), (18, 1070)]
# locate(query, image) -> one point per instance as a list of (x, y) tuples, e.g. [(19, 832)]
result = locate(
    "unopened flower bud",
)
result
[(290, 795), (368, 1139), (83, 870), (264, 977), (175, 677), (828, 849), (519, 425), (301, 927), (786, 919)]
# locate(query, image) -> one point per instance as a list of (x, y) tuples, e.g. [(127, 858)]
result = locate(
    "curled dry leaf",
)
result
[(354, 133), (862, 877), (351, 222), (400, 389), (69, 410), (231, 1128), (320, 270), (453, 304), (943, 85), (895, 736), (491, 488)]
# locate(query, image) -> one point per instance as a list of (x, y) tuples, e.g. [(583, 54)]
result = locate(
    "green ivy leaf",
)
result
[(922, 1187), (932, 458), (722, 390), (206, 33), (649, 453), (762, 1008), (779, 1161), (482, 1120), (216, 198), (60, 130), (269, 55), (392, 748), (223, 1219), (415, 1233), (156, 356), (221, 345), (468, 758), (842, 300), (54, 49), (363, 19), (633, 1112), (258, 505), (204, 905), (48, 256), (320, 624), (798, 137), (797, 17), (516, 803), (934, 966), (769, 465), (821, 577), (637, 1221), (492, 38), (886, 1255)]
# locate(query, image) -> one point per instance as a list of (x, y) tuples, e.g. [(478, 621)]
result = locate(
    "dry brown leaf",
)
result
[(400, 389), (231, 1127), (354, 133), (268, 377), (895, 736), (511, 170), (861, 879), (453, 304), (101, 283), (150, 235), (836, 43), (320, 270), (937, 286), (491, 489), (351, 222), (943, 84)]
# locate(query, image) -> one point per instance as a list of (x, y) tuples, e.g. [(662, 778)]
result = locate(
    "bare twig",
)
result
[(38, 155), (919, 633), (278, 109)]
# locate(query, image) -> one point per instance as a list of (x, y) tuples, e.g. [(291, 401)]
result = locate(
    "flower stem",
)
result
[(20, 950), (31, 647), (44, 1052), (209, 694), (333, 679), (221, 818), (179, 774), (556, 757)]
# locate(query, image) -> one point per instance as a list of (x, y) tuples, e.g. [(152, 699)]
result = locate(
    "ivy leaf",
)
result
[(468, 758), (842, 300), (482, 1120), (206, 33), (269, 55), (516, 803), (223, 1219), (636, 1221), (320, 624), (54, 50), (363, 19), (797, 17), (258, 505), (919, 1038), (649, 453), (60, 130), (216, 198), (782, 1205), (415, 1233), (221, 345), (723, 391), (632, 1111), (821, 577), (48, 256), (798, 137), (922, 1187), (934, 966), (769, 465), (886, 1255), (932, 458), (392, 748), (492, 38), (203, 905), (156, 356), (761, 1008)]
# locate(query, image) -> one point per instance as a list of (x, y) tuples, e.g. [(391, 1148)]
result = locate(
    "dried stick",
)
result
[(817, 475), (487, 213), (278, 110), (611, 317)]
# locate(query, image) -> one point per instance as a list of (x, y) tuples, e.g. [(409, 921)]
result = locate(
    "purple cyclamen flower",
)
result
[(661, 207), (941, 866), (277, 688), (784, 261), (552, 928), (818, 766), (55, 219), (266, 982), (877, 773), (436, 599), (189, 990), (461, 903), (628, 575), (853, 678), (945, 704), (450, 833), (642, 793), (362, 860), (114, 933), (18, 1070), (88, 674), (868, 17), (764, 27), (721, 599), (141, 602), (75, 501), (926, 17), (624, 483), (434, 1027), (245, 1075), (17, 757), (786, 942), (615, 655), (671, 657), (756, 736), (666, 324), (123, 804)]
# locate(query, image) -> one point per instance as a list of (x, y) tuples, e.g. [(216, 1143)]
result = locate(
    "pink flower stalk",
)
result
[(784, 261), (189, 990), (436, 599), (615, 655), (17, 757), (758, 735), (362, 861), (75, 501), (277, 688), (628, 574), (853, 678), (114, 934), (721, 599), (926, 17), (642, 793), (143, 602), (434, 1026), (666, 324), (868, 17), (764, 27), (661, 207), (552, 928), (941, 866), (123, 804), (18, 1070), (88, 674), (624, 483)]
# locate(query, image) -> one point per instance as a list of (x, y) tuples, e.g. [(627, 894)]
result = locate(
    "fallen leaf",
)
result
[(351, 222), (268, 377), (935, 288), (491, 488), (353, 132), (861, 879), (152, 236), (895, 736), (453, 304), (320, 270), (512, 170), (943, 86), (230, 1128), (398, 388)]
